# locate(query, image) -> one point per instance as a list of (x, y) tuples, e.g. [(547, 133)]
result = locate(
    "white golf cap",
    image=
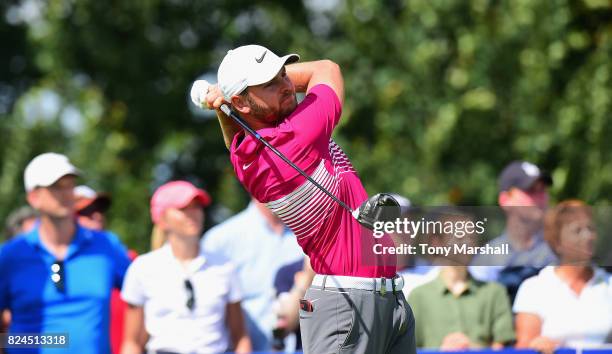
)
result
[(249, 65), (46, 169)]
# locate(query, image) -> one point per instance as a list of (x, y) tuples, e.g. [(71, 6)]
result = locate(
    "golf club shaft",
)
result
[(246, 127)]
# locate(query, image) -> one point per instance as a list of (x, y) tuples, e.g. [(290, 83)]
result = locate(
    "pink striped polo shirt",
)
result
[(327, 233)]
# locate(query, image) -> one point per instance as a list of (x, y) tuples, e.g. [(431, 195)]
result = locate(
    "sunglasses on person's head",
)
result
[(191, 300), (58, 276)]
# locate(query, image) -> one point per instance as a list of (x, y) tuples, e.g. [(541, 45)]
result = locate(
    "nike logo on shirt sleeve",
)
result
[(246, 165)]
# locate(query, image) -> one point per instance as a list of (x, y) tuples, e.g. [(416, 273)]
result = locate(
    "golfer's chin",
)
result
[(288, 107)]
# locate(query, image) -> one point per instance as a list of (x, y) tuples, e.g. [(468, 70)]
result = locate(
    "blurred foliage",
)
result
[(441, 94)]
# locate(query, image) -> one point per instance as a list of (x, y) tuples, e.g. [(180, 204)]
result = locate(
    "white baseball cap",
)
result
[(46, 169), (249, 65)]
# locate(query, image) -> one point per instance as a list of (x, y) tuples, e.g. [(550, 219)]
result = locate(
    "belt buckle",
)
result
[(383, 286)]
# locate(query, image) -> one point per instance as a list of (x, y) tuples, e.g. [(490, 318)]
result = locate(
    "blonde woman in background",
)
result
[(568, 305), (185, 299)]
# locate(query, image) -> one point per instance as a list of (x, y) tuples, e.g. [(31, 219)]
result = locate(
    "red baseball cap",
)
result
[(176, 194)]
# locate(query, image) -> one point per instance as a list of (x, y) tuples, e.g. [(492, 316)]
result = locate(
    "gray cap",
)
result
[(522, 175)]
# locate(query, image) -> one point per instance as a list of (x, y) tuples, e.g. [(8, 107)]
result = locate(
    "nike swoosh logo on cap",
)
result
[(260, 59)]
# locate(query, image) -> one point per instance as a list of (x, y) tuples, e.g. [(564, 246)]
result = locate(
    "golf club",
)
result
[(367, 214)]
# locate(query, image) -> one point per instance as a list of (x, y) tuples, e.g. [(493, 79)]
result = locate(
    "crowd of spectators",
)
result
[(237, 287)]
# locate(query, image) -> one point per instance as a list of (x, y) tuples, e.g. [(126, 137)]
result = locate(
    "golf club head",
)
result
[(380, 207), (198, 93)]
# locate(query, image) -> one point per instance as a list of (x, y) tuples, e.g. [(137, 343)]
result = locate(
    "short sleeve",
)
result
[(121, 260), (235, 292), (317, 115), (133, 290), (528, 297), (503, 332)]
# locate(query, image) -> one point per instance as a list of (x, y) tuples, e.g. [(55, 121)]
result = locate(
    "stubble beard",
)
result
[(269, 114)]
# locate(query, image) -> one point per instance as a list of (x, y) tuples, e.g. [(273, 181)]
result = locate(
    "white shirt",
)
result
[(156, 281), (576, 320)]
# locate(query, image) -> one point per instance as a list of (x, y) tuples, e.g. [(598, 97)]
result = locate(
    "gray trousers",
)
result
[(357, 321)]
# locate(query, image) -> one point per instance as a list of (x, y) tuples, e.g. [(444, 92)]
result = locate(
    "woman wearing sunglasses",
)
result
[(181, 299)]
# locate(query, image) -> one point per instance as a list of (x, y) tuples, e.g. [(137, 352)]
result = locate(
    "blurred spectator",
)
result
[(568, 305), (58, 277), (523, 196), (187, 300), (258, 243), (91, 208), (415, 270), (455, 311), (20, 221), (291, 283)]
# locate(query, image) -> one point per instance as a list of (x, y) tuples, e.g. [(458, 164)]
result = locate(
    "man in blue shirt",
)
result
[(523, 196), (58, 277), (258, 244)]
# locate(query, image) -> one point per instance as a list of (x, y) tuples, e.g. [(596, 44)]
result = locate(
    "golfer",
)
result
[(351, 307)]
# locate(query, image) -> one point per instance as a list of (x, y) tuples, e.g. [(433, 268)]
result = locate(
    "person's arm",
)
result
[(229, 128), (529, 334), (290, 304), (238, 334), (214, 100), (529, 317), (311, 73), (528, 327), (134, 334), (5, 320)]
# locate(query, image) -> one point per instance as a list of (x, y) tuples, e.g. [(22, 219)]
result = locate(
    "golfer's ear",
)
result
[(241, 104), (504, 199), (161, 222), (32, 198)]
